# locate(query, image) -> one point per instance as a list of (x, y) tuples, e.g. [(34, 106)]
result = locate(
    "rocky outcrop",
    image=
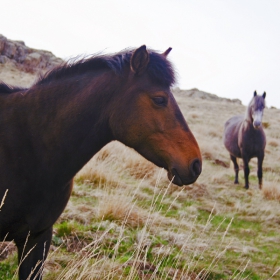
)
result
[(196, 93), (24, 58), (21, 65)]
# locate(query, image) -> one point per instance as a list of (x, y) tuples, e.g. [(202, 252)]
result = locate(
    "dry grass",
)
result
[(271, 191), (3, 199), (186, 244)]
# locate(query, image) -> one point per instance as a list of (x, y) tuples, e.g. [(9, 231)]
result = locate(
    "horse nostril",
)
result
[(256, 124), (196, 167)]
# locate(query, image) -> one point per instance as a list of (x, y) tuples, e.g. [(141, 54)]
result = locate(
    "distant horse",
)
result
[(244, 138), (49, 131)]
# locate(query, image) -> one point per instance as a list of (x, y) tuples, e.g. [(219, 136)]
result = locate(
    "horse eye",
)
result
[(160, 100)]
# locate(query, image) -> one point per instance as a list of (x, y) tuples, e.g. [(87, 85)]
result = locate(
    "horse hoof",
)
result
[(246, 187)]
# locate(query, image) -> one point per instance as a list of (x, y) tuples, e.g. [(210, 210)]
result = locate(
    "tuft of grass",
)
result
[(116, 207), (273, 143), (271, 191), (64, 229), (8, 267), (266, 124)]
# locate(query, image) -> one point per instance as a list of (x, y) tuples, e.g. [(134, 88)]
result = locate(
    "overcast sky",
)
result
[(226, 47)]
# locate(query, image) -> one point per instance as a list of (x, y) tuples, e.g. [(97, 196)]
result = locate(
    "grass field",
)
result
[(125, 220)]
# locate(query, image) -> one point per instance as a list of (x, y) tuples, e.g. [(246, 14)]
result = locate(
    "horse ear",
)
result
[(264, 95), (255, 93), (139, 60), (167, 52)]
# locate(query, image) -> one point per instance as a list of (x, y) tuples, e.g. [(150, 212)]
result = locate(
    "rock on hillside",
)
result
[(203, 95), (20, 65)]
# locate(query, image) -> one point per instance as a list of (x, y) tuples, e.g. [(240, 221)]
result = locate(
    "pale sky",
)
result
[(226, 47)]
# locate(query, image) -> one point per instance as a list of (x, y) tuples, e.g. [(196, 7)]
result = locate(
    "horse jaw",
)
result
[(179, 176), (174, 177)]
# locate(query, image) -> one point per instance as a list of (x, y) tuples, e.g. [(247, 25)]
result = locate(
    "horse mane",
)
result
[(159, 68), (7, 89)]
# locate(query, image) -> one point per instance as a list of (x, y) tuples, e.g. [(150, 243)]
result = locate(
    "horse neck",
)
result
[(67, 123), (248, 113)]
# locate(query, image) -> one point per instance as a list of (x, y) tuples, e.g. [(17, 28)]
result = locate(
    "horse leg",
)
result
[(246, 172), (260, 174), (32, 253), (236, 168)]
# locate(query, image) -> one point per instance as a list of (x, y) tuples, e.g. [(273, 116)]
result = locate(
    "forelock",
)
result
[(161, 70), (259, 102)]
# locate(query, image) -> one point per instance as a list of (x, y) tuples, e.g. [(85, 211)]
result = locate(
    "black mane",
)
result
[(6, 89), (159, 68)]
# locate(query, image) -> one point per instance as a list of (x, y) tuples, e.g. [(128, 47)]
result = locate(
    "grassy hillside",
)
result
[(125, 220)]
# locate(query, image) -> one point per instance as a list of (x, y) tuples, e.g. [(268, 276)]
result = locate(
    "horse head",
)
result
[(257, 108), (150, 121)]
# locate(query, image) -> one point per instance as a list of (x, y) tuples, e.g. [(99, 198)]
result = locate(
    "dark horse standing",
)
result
[(49, 131), (245, 138)]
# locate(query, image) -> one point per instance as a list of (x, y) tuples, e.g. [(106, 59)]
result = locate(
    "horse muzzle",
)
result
[(256, 124), (181, 177), (257, 119)]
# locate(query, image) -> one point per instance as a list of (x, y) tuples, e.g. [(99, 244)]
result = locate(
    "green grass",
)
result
[(162, 254), (219, 233), (8, 267)]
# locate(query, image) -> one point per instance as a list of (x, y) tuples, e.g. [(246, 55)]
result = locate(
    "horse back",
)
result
[(231, 132)]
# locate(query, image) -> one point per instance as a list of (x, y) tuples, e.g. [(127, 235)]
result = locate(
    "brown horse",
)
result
[(49, 131)]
